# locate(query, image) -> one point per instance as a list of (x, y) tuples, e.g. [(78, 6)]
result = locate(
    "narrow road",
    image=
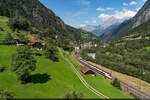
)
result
[(82, 79)]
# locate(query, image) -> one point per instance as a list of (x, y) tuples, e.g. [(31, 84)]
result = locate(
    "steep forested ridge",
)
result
[(41, 18)]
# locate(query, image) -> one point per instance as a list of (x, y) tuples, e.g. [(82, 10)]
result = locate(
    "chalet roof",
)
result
[(85, 69), (15, 39), (33, 41)]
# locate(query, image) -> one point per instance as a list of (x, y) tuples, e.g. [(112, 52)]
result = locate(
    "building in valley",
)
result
[(87, 71)]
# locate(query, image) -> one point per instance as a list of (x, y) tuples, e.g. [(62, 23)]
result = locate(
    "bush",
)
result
[(2, 68), (116, 83), (68, 48), (5, 94), (73, 95), (50, 52)]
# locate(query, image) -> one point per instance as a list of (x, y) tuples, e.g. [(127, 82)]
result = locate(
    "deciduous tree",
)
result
[(23, 63)]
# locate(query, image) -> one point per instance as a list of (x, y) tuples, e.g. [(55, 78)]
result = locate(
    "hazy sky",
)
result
[(93, 12)]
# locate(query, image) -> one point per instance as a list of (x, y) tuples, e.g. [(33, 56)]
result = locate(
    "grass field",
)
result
[(148, 48), (99, 83), (4, 27), (62, 78), (51, 79)]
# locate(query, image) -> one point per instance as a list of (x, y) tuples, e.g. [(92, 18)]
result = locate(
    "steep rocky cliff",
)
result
[(142, 16)]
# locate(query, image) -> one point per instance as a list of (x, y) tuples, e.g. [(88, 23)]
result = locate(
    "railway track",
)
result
[(135, 92), (98, 93)]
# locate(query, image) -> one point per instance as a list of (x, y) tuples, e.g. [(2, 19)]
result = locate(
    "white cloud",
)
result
[(82, 25), (133, 3), (137, 9), (103, 9), (100, 9), (130, 3), (110, 8), (122, 15), (104, 17), (125, 4), (85, 2)]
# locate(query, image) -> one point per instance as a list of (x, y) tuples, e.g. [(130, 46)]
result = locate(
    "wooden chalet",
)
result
[(87, 71), (36, 44)]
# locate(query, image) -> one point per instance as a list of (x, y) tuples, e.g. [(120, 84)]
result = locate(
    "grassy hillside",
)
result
[(4, 27), (56, 78), (99, 83), (51, 80)]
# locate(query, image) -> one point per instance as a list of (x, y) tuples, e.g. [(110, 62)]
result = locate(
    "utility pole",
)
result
[(140, 77), (142, 73)]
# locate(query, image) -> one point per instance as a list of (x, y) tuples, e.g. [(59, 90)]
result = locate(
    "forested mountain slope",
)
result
[(142, 16), (41, 18)]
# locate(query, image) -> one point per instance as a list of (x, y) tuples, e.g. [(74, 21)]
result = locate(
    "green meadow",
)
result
[(51, 79), (101, 84)]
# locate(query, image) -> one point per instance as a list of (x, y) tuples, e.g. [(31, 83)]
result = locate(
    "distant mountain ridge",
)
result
[(142, 16), (100, 29)]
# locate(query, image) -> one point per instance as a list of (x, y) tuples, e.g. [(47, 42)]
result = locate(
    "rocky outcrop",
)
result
[(145, 16), (31, 9)]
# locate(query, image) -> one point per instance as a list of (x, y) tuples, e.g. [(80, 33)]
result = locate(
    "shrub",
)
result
[(73, 95), (50, 52), (2, 68), (5, 94), (116, 83)]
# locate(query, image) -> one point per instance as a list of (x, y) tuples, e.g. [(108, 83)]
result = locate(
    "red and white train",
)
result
[(98, 70)]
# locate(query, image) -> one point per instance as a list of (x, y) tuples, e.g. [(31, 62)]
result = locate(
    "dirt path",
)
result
[(82, 79)]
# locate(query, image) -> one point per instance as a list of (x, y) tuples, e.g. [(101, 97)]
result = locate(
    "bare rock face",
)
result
[(37, 16), (61, 23), (145, 16), (32, 9)]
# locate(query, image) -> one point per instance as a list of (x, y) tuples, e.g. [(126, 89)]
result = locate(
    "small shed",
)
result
[(36, 44), (87, 71), (93, 55), (18, 42)]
